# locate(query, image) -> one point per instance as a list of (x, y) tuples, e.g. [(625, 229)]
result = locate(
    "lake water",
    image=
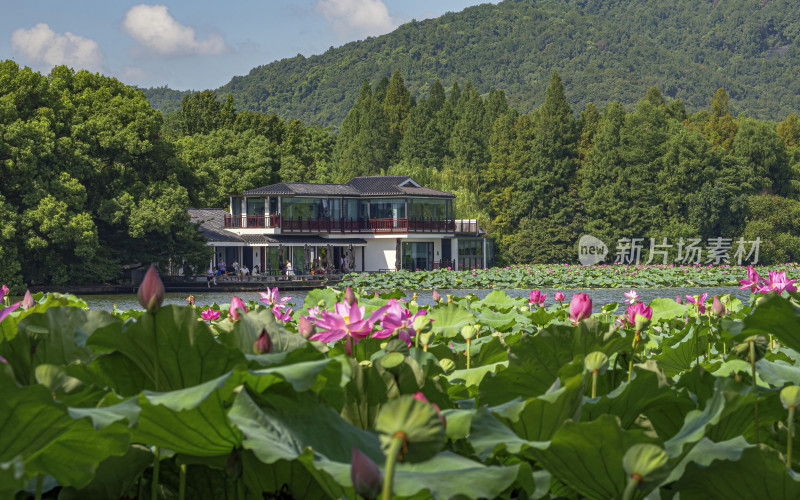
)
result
[(599, 297)]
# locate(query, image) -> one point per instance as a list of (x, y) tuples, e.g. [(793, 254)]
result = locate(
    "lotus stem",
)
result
[(753, 373), (630, 489), (156, 464), (39, 486), (240, 493), (633, 354), (182, 483), (416, 340), (790, 426), (467, 354), (594, 384), (391, 459)]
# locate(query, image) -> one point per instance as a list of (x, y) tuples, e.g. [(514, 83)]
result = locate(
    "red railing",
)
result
[(251, 221), (374, 226)]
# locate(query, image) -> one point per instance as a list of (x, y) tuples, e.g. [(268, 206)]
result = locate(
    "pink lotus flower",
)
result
[(273, 298), (282, 315), (559, 296), (151, 291), (700, 302), (348, 321), (753, 281), (537, 297), (209, 314), (631, 296), (779, 282), (634, 310), (398, 320), (27, 300), (678, 299), (8, 310), (436, 297), (237, 309), (580, 307)]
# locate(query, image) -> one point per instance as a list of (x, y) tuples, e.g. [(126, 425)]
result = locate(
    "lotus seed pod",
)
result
[(742, 349), (790, 396), (646, 463), (469, 332), (447, 365), (596, 361)]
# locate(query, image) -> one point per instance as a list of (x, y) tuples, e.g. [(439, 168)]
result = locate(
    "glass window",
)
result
[(236, 206), (350, 208), (417, 256), (387, 209), (255, 206), (307, 208), (426, 208)]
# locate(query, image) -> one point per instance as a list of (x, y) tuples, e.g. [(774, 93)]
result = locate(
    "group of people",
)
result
[(240, 272)]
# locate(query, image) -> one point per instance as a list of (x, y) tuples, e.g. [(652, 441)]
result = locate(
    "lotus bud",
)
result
[(233, 466), (27, 301), (718, 307), (305, 327), (449, 298), (790, 396), (678, 299), (645, 464), (4, 291), (151, 291), (263, 344), (436, 297), (469, 332), (365, 475), (447, 364), (559, 296), (596, 361), (349, 296), (237, 308), (580, 307)]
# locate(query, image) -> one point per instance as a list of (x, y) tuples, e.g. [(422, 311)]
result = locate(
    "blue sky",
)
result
[(193, 44)]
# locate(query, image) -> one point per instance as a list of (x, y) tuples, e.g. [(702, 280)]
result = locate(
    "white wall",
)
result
[(379, 254)]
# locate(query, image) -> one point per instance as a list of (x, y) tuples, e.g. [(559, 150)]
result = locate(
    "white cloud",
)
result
[(357, 17), (42, 45), (157, 31)]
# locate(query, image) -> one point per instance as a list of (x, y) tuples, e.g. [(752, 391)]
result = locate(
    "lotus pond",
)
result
[(366, 396), (562, 276)]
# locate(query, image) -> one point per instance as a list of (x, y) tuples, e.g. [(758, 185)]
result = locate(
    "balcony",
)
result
[(252, 221)]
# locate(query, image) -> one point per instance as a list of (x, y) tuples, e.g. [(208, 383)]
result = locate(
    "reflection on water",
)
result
[(599, 297)]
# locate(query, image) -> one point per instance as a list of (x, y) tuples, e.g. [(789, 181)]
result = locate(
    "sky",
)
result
[(193, 44)]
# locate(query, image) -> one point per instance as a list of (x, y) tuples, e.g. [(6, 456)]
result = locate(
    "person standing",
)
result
[(289, 269), (210, 276), (223, 270)]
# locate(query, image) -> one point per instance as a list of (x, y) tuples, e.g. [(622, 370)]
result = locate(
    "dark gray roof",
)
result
[(274, 239), (211, 224), (304, 189), (358, 186)]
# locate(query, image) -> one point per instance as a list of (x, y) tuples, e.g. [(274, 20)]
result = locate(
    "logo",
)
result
[(591, 250)]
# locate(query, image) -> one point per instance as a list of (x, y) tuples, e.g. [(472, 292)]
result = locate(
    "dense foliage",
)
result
[(557, 276), (87, 182), (606, 50), (347, 396)]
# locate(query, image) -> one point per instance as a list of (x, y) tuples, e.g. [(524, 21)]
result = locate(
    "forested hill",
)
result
[(605, 50)]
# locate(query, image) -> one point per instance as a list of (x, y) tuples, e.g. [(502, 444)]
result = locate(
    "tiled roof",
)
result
[(358, 186), (211, 224), (304, 189)]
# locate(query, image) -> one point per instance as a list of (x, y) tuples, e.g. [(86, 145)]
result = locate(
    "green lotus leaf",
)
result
[(418, 423), (448, 319), (596, 361), (646, 463)]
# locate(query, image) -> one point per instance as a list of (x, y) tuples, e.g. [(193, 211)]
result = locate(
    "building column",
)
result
[(483, 244)]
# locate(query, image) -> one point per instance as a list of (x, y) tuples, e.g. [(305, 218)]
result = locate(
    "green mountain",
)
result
[(605, 50)]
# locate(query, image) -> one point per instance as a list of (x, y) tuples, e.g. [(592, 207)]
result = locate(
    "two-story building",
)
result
[(369, 224)]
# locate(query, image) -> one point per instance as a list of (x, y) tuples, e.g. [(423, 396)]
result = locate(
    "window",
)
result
[(430, 209), (417, 255), (470, 253), (387, 209), (306, 208)]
